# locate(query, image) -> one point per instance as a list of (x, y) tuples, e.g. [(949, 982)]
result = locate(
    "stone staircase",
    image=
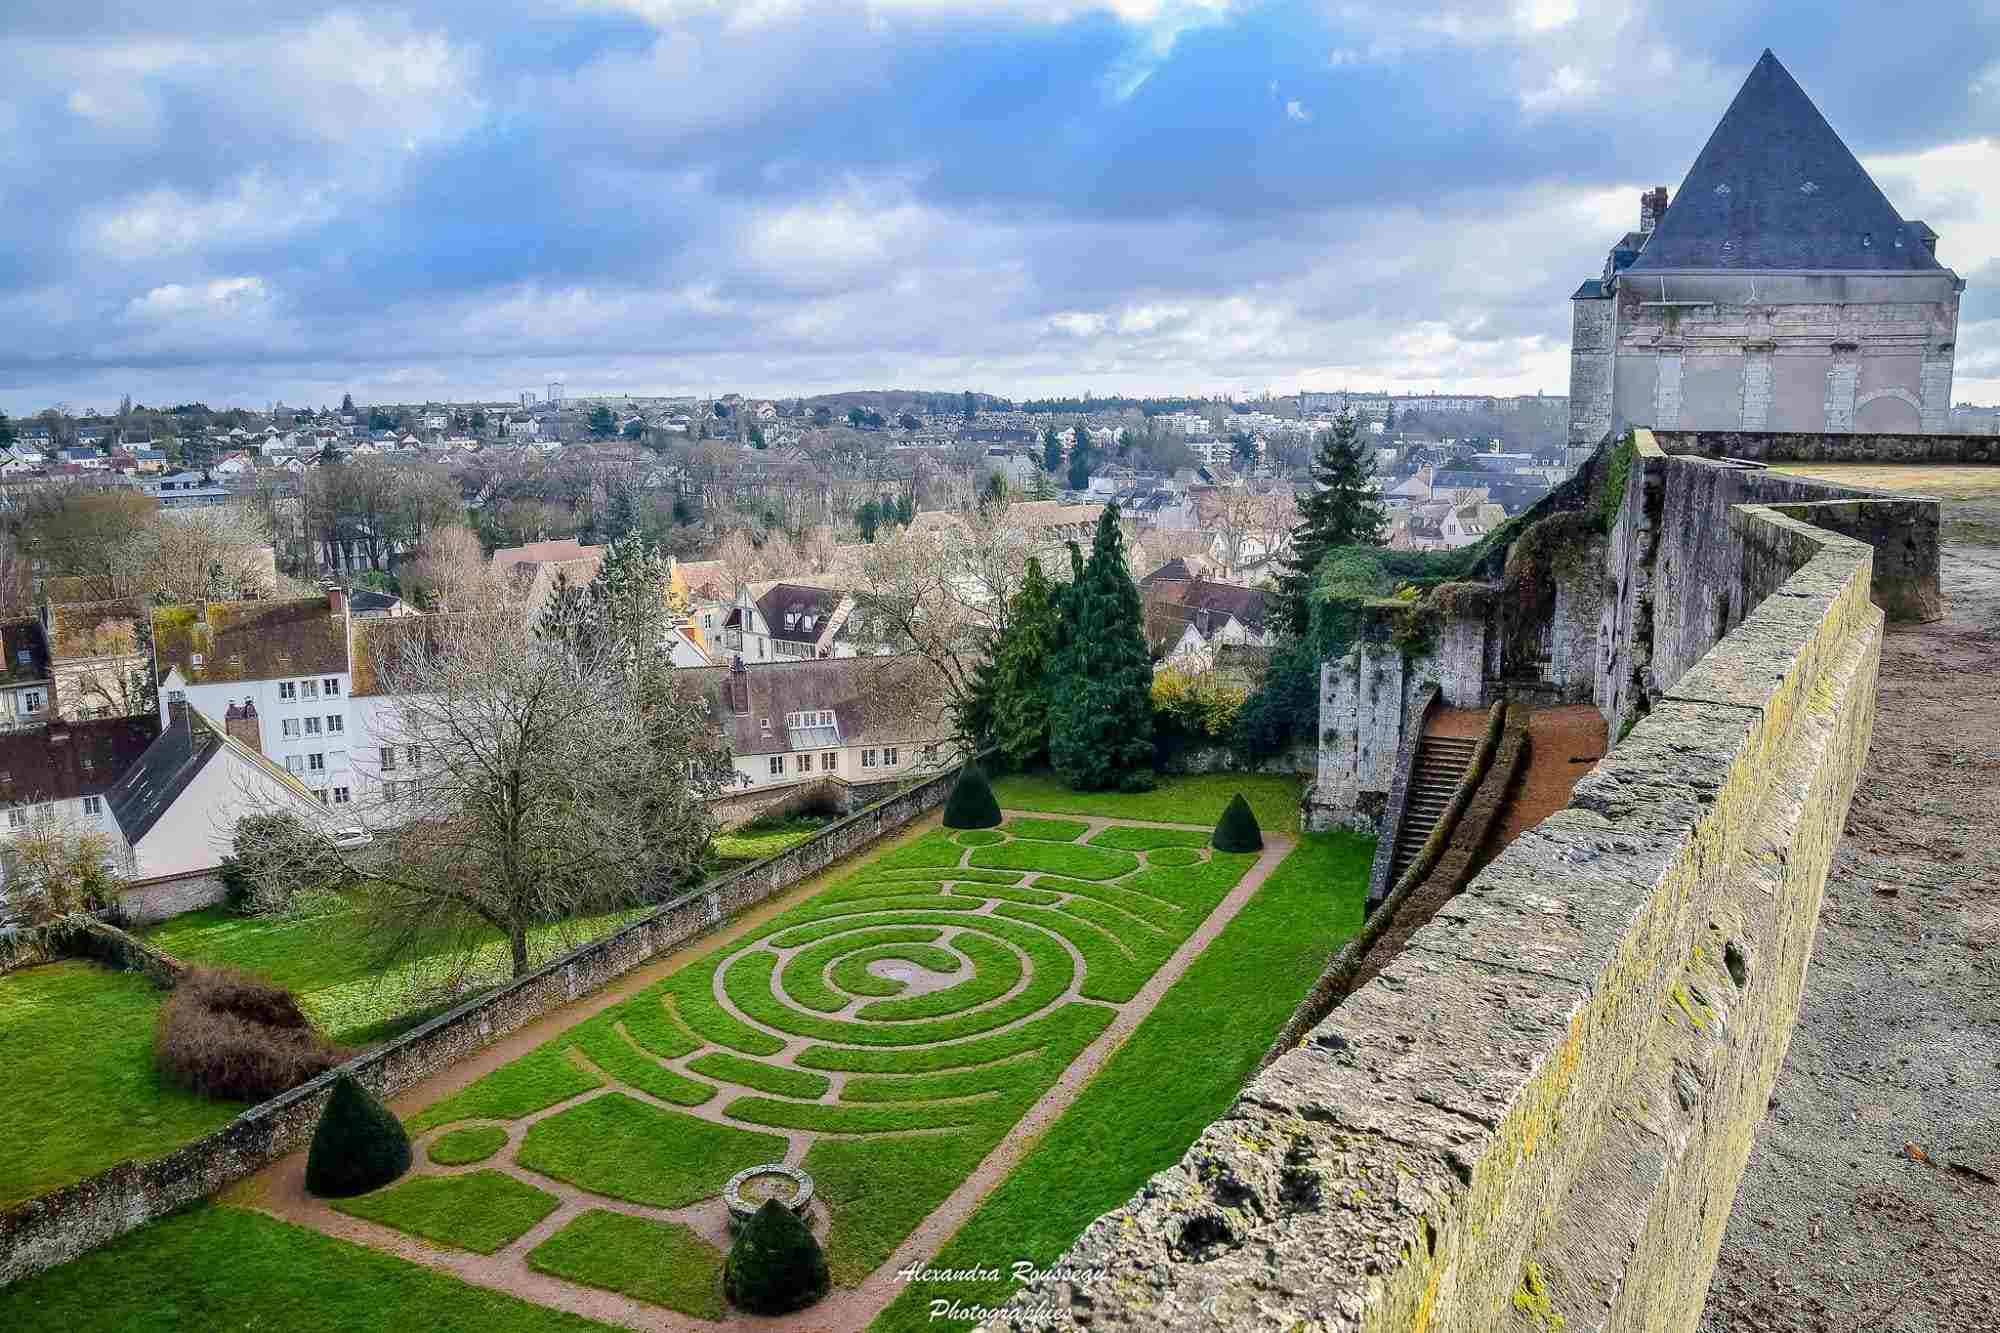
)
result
[(1434, 774)]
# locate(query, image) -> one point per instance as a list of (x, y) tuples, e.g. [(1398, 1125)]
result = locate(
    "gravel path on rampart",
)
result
[(1872, 1199)]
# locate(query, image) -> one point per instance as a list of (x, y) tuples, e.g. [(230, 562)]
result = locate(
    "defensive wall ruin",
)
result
[(1536, 1115)]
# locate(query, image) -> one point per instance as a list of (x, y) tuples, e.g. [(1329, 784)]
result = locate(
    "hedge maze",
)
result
[(885, 1034)]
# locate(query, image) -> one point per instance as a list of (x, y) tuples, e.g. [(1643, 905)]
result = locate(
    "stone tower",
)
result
[(1778, 289)]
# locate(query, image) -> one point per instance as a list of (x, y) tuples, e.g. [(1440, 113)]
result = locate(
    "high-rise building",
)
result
[(527, 397), (555, 393)]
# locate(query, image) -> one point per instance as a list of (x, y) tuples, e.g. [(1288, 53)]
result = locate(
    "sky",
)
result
[(241, 201)]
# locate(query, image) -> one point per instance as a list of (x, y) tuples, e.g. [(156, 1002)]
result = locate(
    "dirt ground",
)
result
[(1564, 743), (1871, 1203)]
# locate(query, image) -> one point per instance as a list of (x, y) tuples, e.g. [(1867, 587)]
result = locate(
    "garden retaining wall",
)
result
[(77, 1218)]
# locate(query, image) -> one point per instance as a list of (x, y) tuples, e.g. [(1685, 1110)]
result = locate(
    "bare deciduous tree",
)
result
[(551, 777)]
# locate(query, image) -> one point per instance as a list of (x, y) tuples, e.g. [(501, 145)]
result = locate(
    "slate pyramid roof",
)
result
[(1775, 188)]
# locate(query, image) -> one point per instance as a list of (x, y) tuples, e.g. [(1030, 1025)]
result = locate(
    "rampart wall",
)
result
[(63, 1224), (1536, 1115)]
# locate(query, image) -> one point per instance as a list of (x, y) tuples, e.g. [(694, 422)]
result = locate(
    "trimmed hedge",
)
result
[(775, 1266), (1237, 830), (359, 1146), (971, 804)]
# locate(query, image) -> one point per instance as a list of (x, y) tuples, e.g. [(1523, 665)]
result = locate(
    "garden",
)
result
[(884, 1035)]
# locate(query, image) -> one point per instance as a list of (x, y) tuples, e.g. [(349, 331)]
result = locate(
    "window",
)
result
[(93, 805), (888, 756), (31, 701), (287, 690), (341, 796), (321, 793), (295, 763), (777, 765), (410, 757), (827, 761), (23, 656), (312, 726), (316, 763), (930, 753), (391, 790), (868, 759), (308, 689), (388, 759), (195, 660), (335, 724), (289, 728), (17, 817), (330, 687)]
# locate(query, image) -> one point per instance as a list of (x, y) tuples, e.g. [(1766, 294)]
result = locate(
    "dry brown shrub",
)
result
[(233, 1036)]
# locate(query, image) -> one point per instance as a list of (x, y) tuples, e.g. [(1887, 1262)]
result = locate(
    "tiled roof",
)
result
[(243, 641), (875, 700), (796, 613), (93, 629), (162, 772), (65, 760), (1775, 188)]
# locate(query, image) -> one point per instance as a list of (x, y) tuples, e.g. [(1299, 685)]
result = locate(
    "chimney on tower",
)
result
[(1652, 207), (739, 687)]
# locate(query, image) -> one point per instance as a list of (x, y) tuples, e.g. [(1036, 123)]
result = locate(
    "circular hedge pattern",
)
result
[(475, 1143), (981, 837), (1173, 856)]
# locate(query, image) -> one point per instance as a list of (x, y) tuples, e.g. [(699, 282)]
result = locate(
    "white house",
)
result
[(66, 771), (856, 719), (276, 674)]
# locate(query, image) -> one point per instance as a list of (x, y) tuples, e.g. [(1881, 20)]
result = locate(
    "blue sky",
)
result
[(247, 200)]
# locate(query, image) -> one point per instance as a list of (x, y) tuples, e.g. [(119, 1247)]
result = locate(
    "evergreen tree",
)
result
[(1079, 440), (906, 510), (1021, 658), (602, 424), (621, 514), (1079, 468), (6, 430), (1341, 510), (358, 1146), (347, 403), (1100, 675), (971, 803), (776, 1265), (869, 519), (630, 597), (1052, 459)]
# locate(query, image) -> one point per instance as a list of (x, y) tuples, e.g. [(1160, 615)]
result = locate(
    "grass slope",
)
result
[(1209, 1029), (625, 1149), (1178, 799), (215, 1268)]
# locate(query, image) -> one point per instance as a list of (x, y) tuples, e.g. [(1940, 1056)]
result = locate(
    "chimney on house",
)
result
[(178, 718), (336, 601), (240, 723), (739, 687), (1652, 207)]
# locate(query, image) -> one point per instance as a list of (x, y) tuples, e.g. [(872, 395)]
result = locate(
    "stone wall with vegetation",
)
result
[(61, 1225), (1536, 1115)]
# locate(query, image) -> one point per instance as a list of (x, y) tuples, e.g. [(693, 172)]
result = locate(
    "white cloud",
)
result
[(162, 223), (1567, 85), (1956, 189), (1296, 110), (123, 110), (174, 299)]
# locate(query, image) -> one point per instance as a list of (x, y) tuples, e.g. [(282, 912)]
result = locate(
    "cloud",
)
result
[(277, 198)]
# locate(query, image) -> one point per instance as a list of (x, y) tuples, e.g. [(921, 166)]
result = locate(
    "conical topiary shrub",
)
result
[(359, 1145), (971, 804), (1237, 830), (775, 1266)]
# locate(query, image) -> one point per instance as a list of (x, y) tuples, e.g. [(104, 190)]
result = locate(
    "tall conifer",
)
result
[(1342, 509), (1101, 677), (1021, 691)]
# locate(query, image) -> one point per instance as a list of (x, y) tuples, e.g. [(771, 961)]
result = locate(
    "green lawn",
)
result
[(76, 1058), (661, 1262), (762, 838), (76, 1039), (481, 1210), (474, 1143), (213, 1268), (1209, 1029), (1179, 799), (936, 1075), (917, 1118)]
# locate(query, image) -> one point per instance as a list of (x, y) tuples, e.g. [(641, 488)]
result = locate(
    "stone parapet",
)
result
[(1535, 1117)]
